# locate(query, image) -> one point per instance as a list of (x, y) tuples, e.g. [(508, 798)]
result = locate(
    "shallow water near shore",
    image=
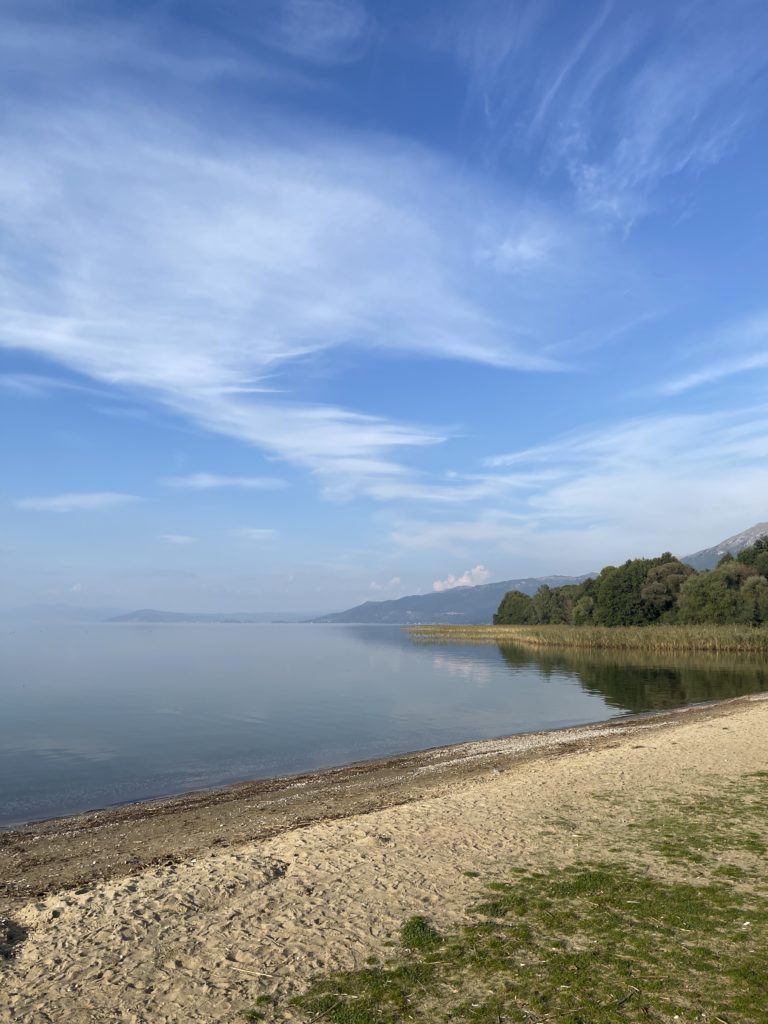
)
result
[(105, 713)]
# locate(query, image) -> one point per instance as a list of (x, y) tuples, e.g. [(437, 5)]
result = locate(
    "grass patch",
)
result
[(733, 819), (419, 935), (742, 639), (590, 944)]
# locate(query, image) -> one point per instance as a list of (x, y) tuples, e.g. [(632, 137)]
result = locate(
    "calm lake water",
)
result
[(106, 713)]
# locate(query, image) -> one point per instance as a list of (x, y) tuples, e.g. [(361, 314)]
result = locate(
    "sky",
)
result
[(310, 302)]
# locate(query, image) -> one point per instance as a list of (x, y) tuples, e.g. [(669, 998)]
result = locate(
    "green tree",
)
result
[(553, 605), (583, 610), (662, 587), (753, 598), (619, 597), (514, 610), (714, 596)]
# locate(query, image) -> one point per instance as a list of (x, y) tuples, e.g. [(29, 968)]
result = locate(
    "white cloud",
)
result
[(469, 578), (255, 533), (211, 481), (38, 385), (196, 272), (394, 584), (458, 488), (87, 501), (732, 350), (76, 588), (629, 97), (325, 31), (177, 538), (531, 246), (716, 371), (196, 268), (63, 42), (637, 487)]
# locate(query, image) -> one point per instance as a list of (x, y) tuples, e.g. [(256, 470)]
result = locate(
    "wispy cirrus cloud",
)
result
[(214, 481), (40, 385), (620, 98), (321, 31), (85, 501), (177, 539), (669, 481), (195, 272), (200, 270), (732, 350), (714, 372), (79, 46)]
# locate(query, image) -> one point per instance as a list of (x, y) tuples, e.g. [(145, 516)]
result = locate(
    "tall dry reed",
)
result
[(648, 638)]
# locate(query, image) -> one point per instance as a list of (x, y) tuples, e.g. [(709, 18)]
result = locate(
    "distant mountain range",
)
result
[(709, 557), (153, 615), (459, 605), (476, 605)]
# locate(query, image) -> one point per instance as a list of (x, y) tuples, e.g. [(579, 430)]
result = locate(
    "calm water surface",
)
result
[(105, 713)]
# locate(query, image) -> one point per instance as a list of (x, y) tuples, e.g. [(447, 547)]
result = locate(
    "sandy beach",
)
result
[(188, 909)]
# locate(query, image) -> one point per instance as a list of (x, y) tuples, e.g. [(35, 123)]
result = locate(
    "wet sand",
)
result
[(189, 908)]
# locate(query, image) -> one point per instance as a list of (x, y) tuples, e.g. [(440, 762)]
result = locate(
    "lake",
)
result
[(105, 713)]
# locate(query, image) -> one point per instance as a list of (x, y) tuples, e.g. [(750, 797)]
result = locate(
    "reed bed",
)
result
[(743, 639)]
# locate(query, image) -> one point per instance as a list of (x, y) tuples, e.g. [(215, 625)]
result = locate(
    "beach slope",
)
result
[(190, 909)]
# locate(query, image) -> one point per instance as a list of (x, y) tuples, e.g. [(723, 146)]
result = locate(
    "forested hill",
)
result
[(643, 591), (460, 605), (477, 605)]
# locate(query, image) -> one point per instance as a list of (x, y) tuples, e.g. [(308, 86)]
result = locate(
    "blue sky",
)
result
[(309, 302)]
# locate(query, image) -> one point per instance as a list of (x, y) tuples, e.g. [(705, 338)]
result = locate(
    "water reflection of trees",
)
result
[(639, 681)]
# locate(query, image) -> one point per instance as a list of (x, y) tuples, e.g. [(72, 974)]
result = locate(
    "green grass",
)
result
[(591, 943), (741, 639), (419, 935), (730, 820)]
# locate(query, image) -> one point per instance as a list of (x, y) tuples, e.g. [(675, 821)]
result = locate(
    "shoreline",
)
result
[(58, 854), (204, 908), (219, 793)]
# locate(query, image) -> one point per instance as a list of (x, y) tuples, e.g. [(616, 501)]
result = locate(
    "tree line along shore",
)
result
[(648, 591), (658, 604)]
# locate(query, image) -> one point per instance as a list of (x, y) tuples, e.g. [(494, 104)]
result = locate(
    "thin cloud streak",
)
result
[(214, 481), (255, 533), (77, 502), (321, 31), (715, 372), (668, 482), (737, 349)]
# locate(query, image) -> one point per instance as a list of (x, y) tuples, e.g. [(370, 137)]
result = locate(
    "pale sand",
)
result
[(200, 940)]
